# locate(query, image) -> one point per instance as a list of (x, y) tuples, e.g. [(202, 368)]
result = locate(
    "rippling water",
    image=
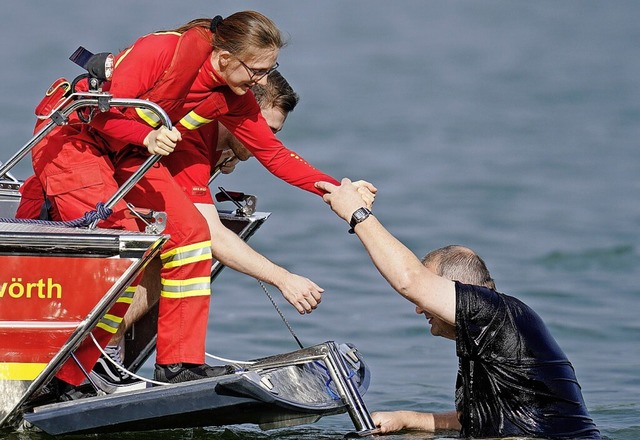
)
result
[(510, 127)]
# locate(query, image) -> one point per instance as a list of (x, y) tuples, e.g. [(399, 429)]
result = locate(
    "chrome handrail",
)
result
[(104, 101)]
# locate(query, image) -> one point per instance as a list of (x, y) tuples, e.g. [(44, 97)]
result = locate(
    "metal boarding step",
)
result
[(274, 392)]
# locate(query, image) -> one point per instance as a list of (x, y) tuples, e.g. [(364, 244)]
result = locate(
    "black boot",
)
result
[(176, 373), (55, 390)]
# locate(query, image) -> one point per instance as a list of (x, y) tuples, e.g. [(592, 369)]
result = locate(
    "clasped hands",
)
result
[(348, 197)]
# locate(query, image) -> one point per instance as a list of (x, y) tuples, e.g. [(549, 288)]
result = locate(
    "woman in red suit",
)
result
[(199, 73)]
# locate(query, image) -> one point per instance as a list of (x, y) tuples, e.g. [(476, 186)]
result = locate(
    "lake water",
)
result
[(509, 127)]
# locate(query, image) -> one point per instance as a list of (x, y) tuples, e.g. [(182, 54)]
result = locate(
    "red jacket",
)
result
[(157, 62)]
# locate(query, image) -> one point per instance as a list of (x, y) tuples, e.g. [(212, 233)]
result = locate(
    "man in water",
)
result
[(513, 378)]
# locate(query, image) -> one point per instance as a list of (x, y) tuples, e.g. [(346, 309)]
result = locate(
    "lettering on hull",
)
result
[(18, 288)]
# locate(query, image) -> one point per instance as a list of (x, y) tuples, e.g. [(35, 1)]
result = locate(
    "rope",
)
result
[(327, 384), (100, 213), (228, 361), (144, 379), (123, 369), (280, 313)]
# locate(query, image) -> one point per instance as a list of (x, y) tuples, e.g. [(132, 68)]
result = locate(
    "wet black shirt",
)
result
[(513, 378)]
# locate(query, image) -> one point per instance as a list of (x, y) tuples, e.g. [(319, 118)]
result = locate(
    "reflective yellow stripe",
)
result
[(127, 296), (148, 116), (190, 260), (189, 282), (113, 318), (181, 295), (193, 121), (172, 252), (200, 286), (20, 371), (187, 254), (107, 328), (167, 33), (185, 282), (124, 55), (110, 323)]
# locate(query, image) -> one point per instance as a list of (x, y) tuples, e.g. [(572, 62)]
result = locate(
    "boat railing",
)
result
[(330, 354), (104, 101)]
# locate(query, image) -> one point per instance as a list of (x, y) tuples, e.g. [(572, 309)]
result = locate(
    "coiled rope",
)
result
[(100, 213)]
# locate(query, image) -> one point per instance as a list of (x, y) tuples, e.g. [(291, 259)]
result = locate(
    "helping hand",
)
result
[(367, 191), (347, 197), (301, 293)]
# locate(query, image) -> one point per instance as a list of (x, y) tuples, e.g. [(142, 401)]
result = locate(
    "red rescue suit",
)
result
[(73, 163), (74, 166), (192, 164)]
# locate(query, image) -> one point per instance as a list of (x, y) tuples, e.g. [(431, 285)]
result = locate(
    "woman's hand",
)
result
[(162, 141), (367, 191), (347, 197)]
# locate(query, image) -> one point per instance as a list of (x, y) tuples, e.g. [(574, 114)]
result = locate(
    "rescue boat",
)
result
[(57, 282)]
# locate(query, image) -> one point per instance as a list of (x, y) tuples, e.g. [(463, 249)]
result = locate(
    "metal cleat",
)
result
[(244, 210), (156, 221)]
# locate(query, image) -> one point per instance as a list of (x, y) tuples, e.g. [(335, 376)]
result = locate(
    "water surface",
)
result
[(509, 127)]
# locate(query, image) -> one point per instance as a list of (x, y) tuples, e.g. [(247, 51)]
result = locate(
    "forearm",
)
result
[(234, 253), (405, 272), (446, 421), (415, 421), (302, 293), (397, 264), (283, 163), (432, 421), (115, 125)]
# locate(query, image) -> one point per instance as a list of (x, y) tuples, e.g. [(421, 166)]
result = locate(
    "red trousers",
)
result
[(76, 174)]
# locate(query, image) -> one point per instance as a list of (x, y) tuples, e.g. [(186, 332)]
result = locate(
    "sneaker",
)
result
[(108, 371), (108, 387), (176, 373)]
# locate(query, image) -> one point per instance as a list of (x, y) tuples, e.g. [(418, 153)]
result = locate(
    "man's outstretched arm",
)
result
[(397, 264)]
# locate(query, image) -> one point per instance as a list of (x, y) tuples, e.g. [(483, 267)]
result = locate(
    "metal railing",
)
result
[(103, 101)]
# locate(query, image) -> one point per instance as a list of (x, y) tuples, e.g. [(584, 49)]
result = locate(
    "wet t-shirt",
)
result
[(513, 378)]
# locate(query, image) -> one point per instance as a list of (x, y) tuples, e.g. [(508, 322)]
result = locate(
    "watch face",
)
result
[(360, 214)]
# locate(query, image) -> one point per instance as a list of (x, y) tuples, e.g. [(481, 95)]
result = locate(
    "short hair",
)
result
[(459, 263), (277, 93)]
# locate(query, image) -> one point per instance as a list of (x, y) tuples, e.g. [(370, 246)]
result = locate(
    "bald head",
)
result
[(459, 263)]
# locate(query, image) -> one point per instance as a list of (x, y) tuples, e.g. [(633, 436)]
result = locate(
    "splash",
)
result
[(11, 392)]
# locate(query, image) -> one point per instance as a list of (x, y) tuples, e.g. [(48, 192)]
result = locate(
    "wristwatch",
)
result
[(358, 216)]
